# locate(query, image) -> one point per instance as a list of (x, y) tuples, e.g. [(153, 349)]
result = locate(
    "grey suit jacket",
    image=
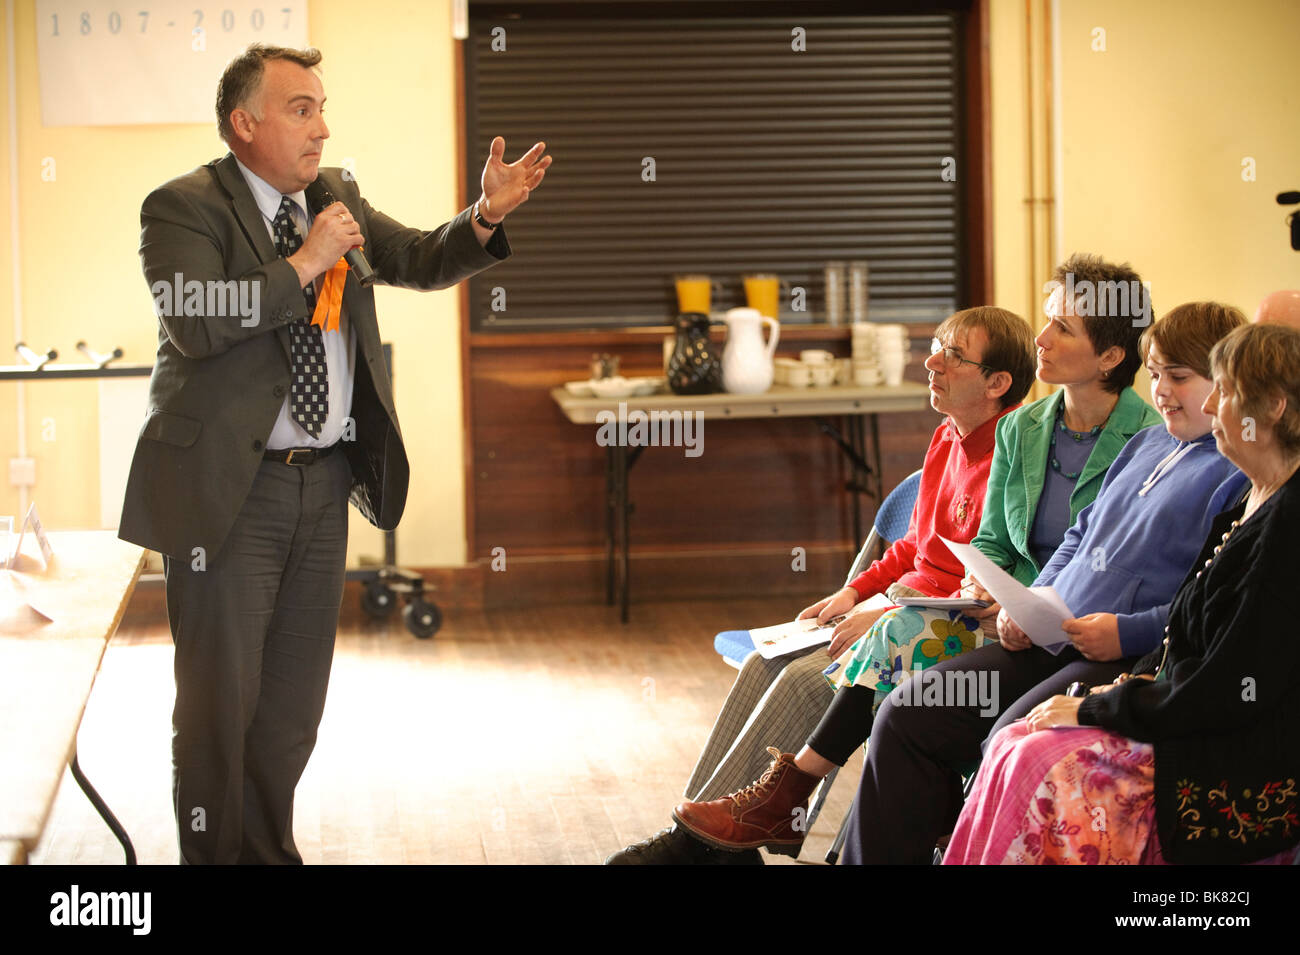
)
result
[(217, 386)]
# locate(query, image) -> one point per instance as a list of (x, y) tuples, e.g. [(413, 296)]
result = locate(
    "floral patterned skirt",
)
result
[(902, 643), (1078, 795)]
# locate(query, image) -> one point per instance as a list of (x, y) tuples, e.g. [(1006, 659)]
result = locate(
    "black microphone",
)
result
[(318, 198), (1288, 198)]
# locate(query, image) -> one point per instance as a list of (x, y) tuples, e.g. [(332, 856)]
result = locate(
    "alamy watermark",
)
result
[(234, 298), (76, 907), (1130, 299), (950, 688), (651, 429)]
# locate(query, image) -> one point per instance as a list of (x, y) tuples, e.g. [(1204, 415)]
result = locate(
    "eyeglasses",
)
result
[(952, 356)]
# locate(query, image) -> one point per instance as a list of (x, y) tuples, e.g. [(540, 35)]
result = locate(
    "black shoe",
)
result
[(676, 846)]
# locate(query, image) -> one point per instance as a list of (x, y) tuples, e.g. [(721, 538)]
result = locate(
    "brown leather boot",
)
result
[(770, 812)]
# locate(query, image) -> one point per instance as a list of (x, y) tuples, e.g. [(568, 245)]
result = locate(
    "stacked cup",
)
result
[(891, 352), (866, 372), (815, 368)]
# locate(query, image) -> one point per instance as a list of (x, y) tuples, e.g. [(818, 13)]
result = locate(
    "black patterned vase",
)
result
[(695, 367)]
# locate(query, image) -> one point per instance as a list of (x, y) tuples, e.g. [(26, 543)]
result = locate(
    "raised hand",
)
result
[(506, 186)]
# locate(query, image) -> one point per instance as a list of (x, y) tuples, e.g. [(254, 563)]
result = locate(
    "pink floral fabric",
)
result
[(1066, 796)]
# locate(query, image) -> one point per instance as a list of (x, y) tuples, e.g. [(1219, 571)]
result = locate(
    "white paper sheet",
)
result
[(1039, 611)]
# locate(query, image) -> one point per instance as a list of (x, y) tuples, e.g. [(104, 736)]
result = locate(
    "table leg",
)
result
[(861, 471), (101, 807), (877, 464), (627, 461), (625, 576), (611, 503), (850, 437)]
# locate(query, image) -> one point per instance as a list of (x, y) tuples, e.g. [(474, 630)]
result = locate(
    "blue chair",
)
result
[(891, 523)]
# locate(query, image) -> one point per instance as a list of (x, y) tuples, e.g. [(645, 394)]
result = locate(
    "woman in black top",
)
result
[(1203, 738)]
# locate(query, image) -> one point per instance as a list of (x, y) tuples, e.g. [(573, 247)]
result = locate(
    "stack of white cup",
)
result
[(891, 352), (866, 372)]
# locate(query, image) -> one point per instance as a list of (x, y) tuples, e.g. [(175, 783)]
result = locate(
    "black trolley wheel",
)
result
[(422, 618), (378, 600)]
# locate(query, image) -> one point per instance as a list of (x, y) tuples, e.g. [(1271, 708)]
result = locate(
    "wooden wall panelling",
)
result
[(760, 487)]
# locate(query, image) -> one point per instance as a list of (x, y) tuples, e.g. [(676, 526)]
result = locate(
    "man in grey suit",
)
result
[(260, 428)]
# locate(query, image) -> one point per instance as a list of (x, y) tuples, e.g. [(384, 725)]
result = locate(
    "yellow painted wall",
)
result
[(1009, 162), (1155, 130), (389, 79)]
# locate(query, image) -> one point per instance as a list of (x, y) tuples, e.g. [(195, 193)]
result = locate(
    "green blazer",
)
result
[(1020, 465)]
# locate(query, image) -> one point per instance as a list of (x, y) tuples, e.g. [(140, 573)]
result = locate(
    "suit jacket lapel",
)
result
[(250, 221)]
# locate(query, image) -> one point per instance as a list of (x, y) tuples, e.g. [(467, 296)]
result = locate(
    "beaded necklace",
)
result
[(1078, 436), (1210, 560)]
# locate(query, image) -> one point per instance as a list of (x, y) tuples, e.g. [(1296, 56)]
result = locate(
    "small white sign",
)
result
[(104, 63), (32, 521)]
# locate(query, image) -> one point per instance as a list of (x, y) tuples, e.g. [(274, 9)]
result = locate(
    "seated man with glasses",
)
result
[(981, 369)]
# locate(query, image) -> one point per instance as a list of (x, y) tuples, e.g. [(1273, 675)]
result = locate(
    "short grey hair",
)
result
[(242, 78)]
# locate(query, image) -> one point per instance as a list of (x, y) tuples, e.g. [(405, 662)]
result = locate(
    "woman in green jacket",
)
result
[(1048, 465)]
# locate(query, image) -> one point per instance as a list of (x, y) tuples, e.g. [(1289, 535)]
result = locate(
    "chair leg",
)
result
[(967, 784), (823, 791), (833, 853)]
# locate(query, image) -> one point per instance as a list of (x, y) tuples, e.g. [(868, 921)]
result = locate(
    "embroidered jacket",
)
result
[(1224, 712)]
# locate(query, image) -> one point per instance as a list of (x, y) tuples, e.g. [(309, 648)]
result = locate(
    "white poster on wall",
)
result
[(110, 63)]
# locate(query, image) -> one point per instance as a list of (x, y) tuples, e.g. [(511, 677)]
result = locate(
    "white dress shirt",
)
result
[(340, 345)]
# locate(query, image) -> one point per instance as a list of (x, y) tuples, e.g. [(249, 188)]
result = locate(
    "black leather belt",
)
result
[(300, 457)]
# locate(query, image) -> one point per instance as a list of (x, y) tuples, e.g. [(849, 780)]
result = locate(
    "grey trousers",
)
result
[(772, 703), (253, 628)]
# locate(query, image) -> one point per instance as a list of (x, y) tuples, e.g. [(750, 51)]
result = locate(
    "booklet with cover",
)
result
[(943, 603), (783, 638)]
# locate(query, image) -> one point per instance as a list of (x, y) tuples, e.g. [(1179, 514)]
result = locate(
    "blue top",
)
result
[(1070, 450), (1128, 553), (1020, 461)]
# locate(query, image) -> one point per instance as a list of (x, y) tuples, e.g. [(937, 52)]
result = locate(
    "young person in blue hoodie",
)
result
[(1117, 569)]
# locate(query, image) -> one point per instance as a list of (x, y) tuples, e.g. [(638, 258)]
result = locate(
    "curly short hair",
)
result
[(1262, 364), (1115, 307), (242, 78)]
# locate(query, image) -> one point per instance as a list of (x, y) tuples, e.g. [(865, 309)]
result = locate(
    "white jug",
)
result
[(747, 361)]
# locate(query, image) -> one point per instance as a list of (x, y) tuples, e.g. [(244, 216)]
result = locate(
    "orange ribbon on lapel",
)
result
[(329, 301)]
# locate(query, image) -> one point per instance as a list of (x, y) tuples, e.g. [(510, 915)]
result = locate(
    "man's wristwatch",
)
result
[(478, 217), (1079, 688)]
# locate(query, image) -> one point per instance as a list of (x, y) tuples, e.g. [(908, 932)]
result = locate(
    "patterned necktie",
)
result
[(309, 388)]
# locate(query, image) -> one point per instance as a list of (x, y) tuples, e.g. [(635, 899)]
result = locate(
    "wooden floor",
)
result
[(543, 736)]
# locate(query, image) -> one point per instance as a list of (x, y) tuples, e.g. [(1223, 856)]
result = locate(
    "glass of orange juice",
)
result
[(694, 293), (763, 292)]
